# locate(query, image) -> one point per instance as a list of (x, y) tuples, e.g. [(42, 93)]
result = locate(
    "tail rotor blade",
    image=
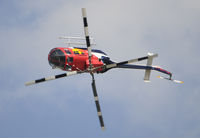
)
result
[(176, 81), (51, 78), (97, 103)]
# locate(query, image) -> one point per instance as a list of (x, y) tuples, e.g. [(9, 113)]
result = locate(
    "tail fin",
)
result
[(149, 63)]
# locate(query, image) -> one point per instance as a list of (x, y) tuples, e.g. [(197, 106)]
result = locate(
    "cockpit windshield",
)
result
[(57, 58)]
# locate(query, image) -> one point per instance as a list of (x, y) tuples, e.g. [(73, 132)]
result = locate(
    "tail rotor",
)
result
[(170, 79)]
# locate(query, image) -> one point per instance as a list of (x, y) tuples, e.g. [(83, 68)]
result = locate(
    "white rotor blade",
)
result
[(51, 78), (87, 38), (97, 103)]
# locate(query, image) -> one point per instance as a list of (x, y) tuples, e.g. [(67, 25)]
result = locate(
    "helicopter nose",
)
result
[(56, 58), (53, 59)]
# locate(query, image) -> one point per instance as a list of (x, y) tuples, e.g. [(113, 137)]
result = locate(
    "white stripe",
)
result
[(71, 73), (111, 65), (99, 113), (86, 31), (96, 98), (50, 78), (103, 128), (29, 83), (84, 12), (89, 51), (133, 60)]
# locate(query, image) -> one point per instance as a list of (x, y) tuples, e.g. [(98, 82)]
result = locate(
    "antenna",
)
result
[(76, 40)]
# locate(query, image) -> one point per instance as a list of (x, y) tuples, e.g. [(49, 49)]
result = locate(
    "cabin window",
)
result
[(60, 53), (70, 59), (61, 57), (67, 51)]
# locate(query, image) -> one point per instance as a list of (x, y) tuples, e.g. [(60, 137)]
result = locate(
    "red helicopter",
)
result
[(77, 60)]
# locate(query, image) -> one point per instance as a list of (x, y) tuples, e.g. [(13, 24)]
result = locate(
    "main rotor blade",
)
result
[(87, 38), (113, 65), (126, 62), (52, 78), (97, 103)]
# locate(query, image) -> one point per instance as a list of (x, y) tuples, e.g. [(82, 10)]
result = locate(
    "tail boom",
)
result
[(143, 67)]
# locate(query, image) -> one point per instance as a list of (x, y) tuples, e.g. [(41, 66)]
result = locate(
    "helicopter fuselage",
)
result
[(76, 58)]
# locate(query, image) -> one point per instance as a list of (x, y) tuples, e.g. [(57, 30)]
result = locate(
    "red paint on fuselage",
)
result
[(74, 59)]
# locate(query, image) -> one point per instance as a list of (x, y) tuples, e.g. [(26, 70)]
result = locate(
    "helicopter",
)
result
[(78, 60)]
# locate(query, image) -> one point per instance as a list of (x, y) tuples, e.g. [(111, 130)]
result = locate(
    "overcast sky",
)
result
[(123, 29)]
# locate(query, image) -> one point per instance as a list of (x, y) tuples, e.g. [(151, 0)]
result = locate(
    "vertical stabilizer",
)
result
[(149, 63)]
